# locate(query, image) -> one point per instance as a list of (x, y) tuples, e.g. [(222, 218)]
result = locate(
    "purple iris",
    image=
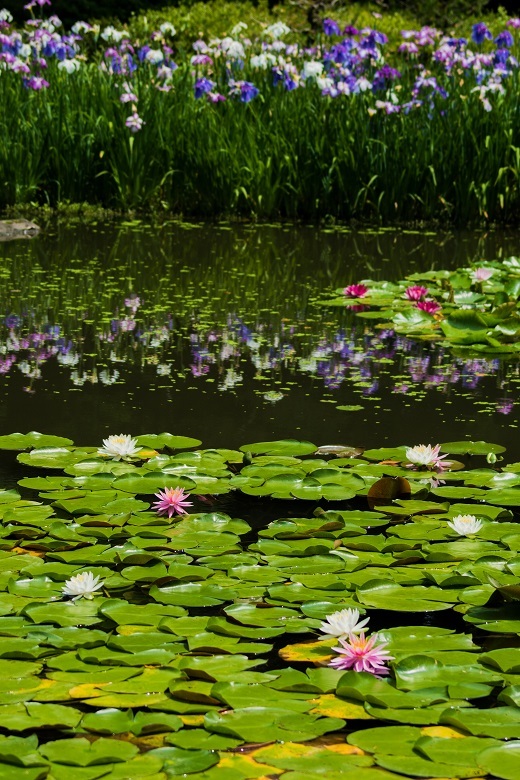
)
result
[(202, 86), (330, 27), (289, 83), (374, 37), (504, 39), (457, 43), (49, 49), (384, 76), (12, 321), (501, 57), (36, 83), (248, 92), (343, 53), (479, 33)]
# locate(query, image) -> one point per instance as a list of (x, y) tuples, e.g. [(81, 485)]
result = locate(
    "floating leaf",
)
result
[(25, 441), (290, 447), (169, 440)]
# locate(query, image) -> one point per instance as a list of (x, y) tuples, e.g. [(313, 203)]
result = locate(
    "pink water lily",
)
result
[(171, 502), (416, 292), (355, 290), (362, 654), (483, 274), (430, 307)]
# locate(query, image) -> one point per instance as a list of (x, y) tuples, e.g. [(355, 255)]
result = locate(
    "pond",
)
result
[(221, 337), (202, 603)]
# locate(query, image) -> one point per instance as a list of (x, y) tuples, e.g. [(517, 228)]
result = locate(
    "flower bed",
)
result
[(350, 127)]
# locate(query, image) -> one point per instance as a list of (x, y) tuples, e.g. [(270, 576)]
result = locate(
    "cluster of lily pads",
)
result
[(181, 640), (474, 308)]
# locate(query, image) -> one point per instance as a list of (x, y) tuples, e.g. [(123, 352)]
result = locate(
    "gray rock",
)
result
[(17, 228)]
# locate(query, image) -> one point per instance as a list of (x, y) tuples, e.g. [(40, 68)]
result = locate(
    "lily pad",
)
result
[(290, 447)]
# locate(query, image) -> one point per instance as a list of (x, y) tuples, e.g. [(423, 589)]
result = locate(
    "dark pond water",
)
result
[(213, 332)]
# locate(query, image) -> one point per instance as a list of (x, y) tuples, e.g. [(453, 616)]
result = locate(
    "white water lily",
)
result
[(121, 447), (465, 525), (425, 455), (343, 623), (82, 585)]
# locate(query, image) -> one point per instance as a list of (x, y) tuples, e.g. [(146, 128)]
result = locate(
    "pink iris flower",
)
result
[(415, 293), (355, 290), (171, 502), (362, 655), (430, 307)]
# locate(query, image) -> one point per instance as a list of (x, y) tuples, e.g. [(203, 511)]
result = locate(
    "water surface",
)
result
[(212, 331)]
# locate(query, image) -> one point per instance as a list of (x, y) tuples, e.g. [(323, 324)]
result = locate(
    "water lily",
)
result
[(172, 502), (343, 623), (121, 447), (355, 290), (425, 455), (465, 525), (483, 274), (416, 292), (82, 585), (430, 307), (363, 654)]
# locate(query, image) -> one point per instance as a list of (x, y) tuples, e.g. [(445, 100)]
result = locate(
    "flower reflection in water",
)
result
[(356, 357)]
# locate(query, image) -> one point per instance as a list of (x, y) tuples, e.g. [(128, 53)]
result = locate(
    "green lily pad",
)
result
[(415, 766), (169, 440), (502, 760), (471, 448), (25, 441), (499, 722), (266, 724), (80, 752), (382, 594), (177, 761), (290, 447)]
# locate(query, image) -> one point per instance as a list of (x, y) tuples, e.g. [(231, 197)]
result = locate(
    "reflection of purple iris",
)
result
[(505, 406), (12, 321)]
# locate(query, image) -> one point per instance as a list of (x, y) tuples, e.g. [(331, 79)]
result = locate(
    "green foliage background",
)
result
[(443, 12)]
